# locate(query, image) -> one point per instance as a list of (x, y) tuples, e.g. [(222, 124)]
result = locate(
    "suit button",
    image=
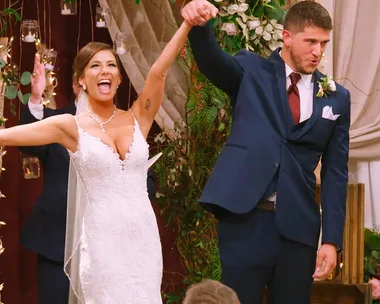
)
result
[(285, 141), (275, 165)]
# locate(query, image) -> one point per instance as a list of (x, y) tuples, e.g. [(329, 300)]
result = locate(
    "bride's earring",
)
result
[(84, 87)]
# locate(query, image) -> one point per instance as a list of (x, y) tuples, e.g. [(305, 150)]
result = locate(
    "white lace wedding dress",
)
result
[(118, 257)]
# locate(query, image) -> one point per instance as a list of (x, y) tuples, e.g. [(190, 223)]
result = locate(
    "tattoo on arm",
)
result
[(147, 104)]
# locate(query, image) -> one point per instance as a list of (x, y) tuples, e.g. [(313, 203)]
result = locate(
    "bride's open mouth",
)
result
[(105, 86)]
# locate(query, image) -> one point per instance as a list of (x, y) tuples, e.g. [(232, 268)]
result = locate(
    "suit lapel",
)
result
[(279, 67), (318, 102)]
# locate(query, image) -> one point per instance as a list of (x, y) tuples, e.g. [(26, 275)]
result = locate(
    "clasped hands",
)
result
[(198, 12)]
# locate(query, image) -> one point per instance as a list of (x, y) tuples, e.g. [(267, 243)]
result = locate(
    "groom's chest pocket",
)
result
[(322, 131)]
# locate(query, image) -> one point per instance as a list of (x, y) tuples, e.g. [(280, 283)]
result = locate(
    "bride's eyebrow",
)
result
[(98, 62)]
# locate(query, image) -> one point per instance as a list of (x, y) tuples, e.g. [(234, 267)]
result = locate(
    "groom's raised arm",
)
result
[(218, 66)]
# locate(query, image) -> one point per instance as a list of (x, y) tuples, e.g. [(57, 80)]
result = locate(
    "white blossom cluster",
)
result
[(260, 32)]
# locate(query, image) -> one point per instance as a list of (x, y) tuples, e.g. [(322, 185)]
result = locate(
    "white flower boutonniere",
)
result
[(326, 85)]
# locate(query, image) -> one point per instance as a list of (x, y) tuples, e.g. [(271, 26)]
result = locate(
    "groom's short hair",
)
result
[(210, 292), (307, 14)]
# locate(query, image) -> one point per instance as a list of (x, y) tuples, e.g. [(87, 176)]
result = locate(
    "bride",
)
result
[(113, 250)]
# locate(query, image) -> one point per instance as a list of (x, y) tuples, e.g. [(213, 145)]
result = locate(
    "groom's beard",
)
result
[(301, 66)]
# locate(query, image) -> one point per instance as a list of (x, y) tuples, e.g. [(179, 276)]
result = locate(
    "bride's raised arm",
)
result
[(55, 129), (148, 103)]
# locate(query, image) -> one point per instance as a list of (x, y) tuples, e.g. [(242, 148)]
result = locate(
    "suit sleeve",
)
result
[(334, 180), (218, 66), (26, 118)]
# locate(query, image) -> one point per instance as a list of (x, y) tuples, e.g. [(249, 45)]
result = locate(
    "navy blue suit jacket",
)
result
[(265, 146), (45, 230)]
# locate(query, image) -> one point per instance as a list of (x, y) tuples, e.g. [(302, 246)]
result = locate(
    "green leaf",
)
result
[(26, 98), (5, 26), (137, 2), (218, 103), (276, 12), (11, 92), (214, 22), (2, 63), (172, 1), (13, 12), (26, 78)]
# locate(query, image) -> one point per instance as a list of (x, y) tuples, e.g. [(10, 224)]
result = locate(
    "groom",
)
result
[(262, 188), (45, 230)]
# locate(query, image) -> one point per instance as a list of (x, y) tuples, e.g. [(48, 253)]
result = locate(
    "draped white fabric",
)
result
[(355, 64), (149, 26)]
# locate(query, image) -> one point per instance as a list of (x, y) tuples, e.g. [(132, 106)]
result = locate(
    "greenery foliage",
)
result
[(372, 256), (9, 13)]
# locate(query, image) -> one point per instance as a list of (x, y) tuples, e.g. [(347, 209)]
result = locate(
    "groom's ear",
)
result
[(287, 38)]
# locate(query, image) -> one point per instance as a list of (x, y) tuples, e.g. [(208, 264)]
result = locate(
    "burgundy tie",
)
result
[(294, 97)]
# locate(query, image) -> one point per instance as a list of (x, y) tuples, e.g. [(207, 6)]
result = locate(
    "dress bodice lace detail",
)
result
[(119, 248)]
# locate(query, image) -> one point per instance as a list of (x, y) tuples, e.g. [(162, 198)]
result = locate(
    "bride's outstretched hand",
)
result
[(198, 12), (38, 81)]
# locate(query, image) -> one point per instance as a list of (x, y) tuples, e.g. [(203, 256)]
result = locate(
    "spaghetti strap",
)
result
[(133, 115), (78, 126)]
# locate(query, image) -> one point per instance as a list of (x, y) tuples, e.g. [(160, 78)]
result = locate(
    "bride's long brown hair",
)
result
[(85, 55)]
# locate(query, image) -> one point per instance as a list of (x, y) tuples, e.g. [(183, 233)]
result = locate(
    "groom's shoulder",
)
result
[(249, 60), (342, 92)]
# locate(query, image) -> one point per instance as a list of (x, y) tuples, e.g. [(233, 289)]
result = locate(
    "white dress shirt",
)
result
[(305, 87), (37, 110)]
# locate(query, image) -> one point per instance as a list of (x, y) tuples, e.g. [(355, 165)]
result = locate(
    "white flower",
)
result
[(269, 28), (326, 85), (279, 26), (253, 24), (243, 7), (243, 16), (232, 9), (267, 36), (259, 30), (332, 85), (274, 22), (230, 28), (223, 11), (218, 1), (274, 44), (320, 90)]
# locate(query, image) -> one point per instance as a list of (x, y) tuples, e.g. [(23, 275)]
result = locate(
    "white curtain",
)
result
[(149, 26)]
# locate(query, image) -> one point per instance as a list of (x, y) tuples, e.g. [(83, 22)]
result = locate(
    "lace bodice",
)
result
[(120, 250), (131, 170)]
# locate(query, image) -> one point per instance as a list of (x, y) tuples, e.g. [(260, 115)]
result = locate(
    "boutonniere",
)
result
[(326, 85)]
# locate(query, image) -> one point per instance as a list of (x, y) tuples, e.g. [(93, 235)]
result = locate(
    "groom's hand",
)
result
[(198, 12), (326, 261)]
